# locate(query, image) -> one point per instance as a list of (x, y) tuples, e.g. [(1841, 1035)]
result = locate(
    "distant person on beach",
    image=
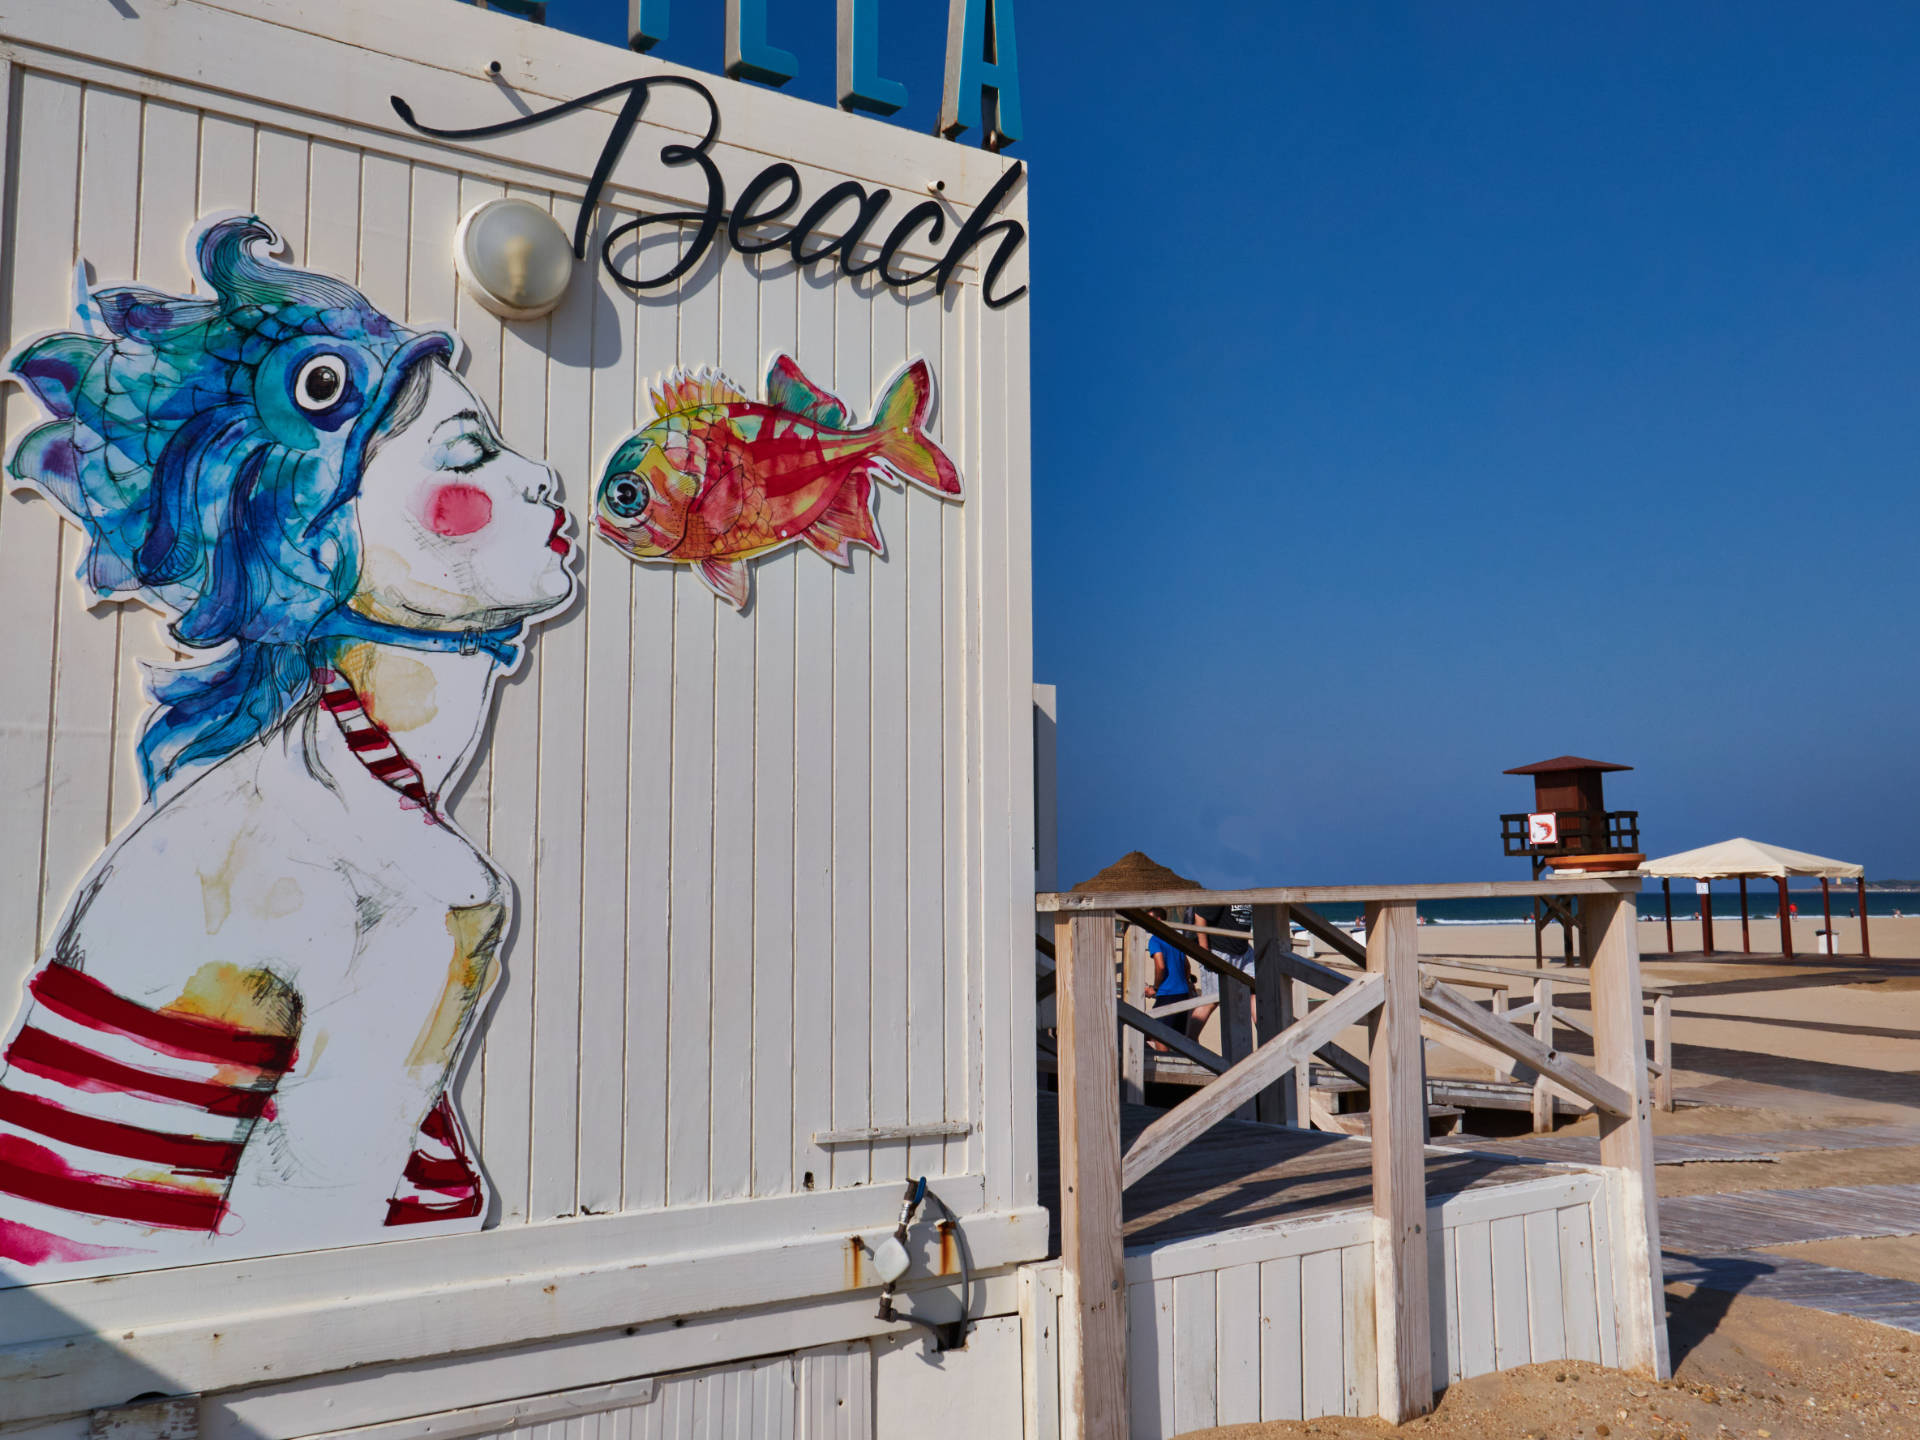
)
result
[(1234, 949), (1172, 981)]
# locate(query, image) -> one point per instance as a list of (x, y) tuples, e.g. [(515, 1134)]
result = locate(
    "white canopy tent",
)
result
[(1742, 859)]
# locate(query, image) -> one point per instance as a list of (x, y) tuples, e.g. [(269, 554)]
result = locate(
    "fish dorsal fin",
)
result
[(789, 390), (689, 389)]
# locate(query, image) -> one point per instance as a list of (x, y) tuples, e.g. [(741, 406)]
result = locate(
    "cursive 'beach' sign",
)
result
[(765, 201)]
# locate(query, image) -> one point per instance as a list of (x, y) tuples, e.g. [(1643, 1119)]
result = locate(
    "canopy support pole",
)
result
[(1705, 890), (1666, 895), (1786, 921), (1860, 891), (1826, 909), (1746, 944)]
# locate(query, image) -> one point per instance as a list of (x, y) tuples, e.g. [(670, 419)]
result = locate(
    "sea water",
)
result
[(1762, 904)]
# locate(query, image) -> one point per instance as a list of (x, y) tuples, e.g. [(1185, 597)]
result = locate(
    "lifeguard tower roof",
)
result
[(1563, 762)]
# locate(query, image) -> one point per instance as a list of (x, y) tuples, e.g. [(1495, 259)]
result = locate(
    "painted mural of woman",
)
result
[(242, 1039)]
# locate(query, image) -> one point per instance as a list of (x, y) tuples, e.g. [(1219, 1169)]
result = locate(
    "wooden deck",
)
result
[(1241, 1173)]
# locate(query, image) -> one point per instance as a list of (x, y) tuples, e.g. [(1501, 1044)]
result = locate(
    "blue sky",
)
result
[(1425, 389)]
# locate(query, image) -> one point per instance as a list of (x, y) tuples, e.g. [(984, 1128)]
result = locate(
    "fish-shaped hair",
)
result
[(718, 479), (209, 446)]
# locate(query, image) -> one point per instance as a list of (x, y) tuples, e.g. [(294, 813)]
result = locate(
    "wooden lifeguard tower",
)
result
[(1569, 828)]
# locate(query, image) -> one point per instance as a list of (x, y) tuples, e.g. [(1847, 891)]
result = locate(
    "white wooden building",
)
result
[(769, 868), (772, 955)]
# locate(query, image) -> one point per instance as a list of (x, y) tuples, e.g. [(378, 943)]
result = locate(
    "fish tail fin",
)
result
[(904, 452)]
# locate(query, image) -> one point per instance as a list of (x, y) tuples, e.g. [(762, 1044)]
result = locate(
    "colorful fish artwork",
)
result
[(717, 479)]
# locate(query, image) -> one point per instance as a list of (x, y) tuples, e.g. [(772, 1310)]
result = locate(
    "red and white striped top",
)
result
[(372, 745), (118, 1120), (113, 1110)]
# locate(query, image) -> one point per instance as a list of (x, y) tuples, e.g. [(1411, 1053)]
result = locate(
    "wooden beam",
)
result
[(1456, 1009), (1179, 1007), (1786, 920), (1297, 968), (1195, 952), (1662, 1066), (1093, 1310), (1087, 900), (1236, 1034), (1860, 895), (1133, 993), (1327, 934), (1192, 1118), (1397, 1105), (1273, 1006), (1322, 977), (1626, 1139), (1177, 1041), (1445, 1035), (1543, 1035)]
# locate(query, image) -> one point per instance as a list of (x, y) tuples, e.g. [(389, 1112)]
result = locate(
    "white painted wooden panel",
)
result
[(1195, 1351), (1511, 1346), (1322, 1362), (771, 870), (967, 1394), (1150, 1349), (1237, 1335), (1581, 1316), (1359, 1339), (656, 751), (1473, 1256), (1280, 1339), (1546, 1320), (835, 1392)]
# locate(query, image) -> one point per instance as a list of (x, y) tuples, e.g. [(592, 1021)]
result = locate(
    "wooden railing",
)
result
[(1290, 1101), (1392, 998)]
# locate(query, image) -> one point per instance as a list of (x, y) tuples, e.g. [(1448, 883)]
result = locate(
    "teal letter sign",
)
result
[(646, 23), (981, 57), (861, 87), (749, 56)]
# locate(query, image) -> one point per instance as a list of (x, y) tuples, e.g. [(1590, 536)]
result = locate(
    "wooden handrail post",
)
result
[(1543, 1032), (1093, 1304), (1134, 968), (1503, 1071), (1663, 1051), (1626, 1142), (1273, 1009), (1401, 1301), (1303, 1068)]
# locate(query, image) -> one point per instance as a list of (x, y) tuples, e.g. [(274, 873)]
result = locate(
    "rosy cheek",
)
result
[(454, 510)]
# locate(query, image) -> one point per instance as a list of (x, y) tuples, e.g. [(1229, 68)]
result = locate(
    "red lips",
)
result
[(557, 542)]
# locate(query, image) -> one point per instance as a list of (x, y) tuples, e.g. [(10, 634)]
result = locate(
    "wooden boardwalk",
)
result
[(1752, 1219), (1800, 1282), (1240, 1173), (1688, 1149)]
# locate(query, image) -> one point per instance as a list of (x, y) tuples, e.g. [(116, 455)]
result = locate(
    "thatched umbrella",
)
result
[(1135, 871)]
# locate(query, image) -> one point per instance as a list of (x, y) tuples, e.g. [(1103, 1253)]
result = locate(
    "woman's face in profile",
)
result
[(457, 530)]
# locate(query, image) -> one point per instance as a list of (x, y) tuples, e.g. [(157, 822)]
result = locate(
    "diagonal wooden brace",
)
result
[(1449, 1005), (1192, 1118)]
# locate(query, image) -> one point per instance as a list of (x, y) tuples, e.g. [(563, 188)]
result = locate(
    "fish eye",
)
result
[(320, 383), (628, 495)]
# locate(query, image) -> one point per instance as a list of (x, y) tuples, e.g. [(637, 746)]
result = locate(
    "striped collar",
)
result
[(372, 745)]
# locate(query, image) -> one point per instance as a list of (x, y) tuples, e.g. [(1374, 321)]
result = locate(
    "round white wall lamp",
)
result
[(513, 257)]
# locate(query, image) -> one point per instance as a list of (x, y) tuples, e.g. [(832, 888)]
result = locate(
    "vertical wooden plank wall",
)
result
[(770, 868)]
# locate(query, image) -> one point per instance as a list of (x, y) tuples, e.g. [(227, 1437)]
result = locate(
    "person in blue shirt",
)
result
[(1172, 979)]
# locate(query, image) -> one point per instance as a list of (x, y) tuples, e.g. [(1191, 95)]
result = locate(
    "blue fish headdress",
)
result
[(210, 447)]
